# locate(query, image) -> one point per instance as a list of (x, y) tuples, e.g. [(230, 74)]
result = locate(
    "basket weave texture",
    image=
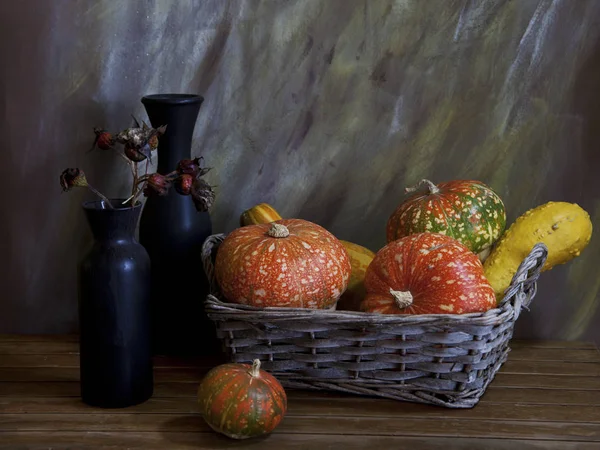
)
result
[(446, 360)]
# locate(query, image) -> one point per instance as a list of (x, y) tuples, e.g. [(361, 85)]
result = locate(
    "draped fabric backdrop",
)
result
[(327, 109)]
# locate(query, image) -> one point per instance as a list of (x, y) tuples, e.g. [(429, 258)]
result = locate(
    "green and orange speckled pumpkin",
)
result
[(287, 263), (466, 210), (241, 401)]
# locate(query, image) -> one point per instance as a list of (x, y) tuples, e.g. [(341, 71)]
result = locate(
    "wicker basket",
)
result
[(445, 360)]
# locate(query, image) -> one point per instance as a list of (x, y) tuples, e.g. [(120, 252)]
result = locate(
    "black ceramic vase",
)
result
[(114, 310), (173, 231)]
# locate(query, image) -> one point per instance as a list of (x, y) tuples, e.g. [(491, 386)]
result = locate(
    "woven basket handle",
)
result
[(523, 286), (209, 251)]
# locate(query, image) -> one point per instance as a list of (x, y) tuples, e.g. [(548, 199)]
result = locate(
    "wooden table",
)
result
[(546, 396)]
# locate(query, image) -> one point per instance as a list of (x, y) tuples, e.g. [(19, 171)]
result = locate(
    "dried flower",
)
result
[(189, 166), (132, 137), (137, 154), (153, 142), (192, 167), (104, 140), (157, 184), (183, 184), (202, 195), (72, 177), (138, 143), (139, 136)]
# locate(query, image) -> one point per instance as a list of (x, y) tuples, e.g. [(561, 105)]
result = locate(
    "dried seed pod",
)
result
[(183, 184), (104, 140), (135, 154), (192, 167), (203, 195), (157, 184), (153, 142), (189, 166), (72, 177)]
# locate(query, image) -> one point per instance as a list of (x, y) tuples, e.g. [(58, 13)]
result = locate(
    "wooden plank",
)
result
[(40, 374), (34, 361), (72, 389), (165, 439), (310, 425), (329, 406), (491, 411), (104, 422), (72, 374), (537, 343), (511, 366), (534, 396), (189, 389), (552, 368), (72, 360), (72, 405), (72, 348), (545, 381), (193, 375), (39, 338), (530, 396), (51, 347), (555, 354), (39, 389), (37, 348)]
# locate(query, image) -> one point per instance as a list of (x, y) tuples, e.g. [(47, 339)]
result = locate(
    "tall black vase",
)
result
[(114, 310), (172, 231)]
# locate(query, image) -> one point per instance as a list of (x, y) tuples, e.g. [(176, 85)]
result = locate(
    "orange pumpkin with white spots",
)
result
[(241, 401), (426, 273), (286, 263)]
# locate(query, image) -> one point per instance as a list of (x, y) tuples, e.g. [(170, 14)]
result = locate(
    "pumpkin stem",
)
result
[(403, 298), (255, 371), (278, 230), (433, 189)]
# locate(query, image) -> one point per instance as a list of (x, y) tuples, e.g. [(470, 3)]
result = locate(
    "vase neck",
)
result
[(116, 224), (179, 114)]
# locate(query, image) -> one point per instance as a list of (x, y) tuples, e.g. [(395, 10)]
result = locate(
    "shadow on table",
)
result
[(193, 431)]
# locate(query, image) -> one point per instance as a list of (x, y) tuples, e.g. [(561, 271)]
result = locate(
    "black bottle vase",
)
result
[(173, 231), (114, 310)]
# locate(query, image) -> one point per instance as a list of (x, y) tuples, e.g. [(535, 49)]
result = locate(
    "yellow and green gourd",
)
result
[(565, 229), (360, 259), (261, 213)]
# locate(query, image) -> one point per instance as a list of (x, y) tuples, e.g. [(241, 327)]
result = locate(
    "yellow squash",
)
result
[(360, 258), (565, 228), (261, 213)]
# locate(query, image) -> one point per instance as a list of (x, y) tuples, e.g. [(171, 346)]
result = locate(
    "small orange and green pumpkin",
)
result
[(241, 400)]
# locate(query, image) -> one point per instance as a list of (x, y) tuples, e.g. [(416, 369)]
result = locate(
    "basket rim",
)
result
[(213, 301), (218, 310)]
